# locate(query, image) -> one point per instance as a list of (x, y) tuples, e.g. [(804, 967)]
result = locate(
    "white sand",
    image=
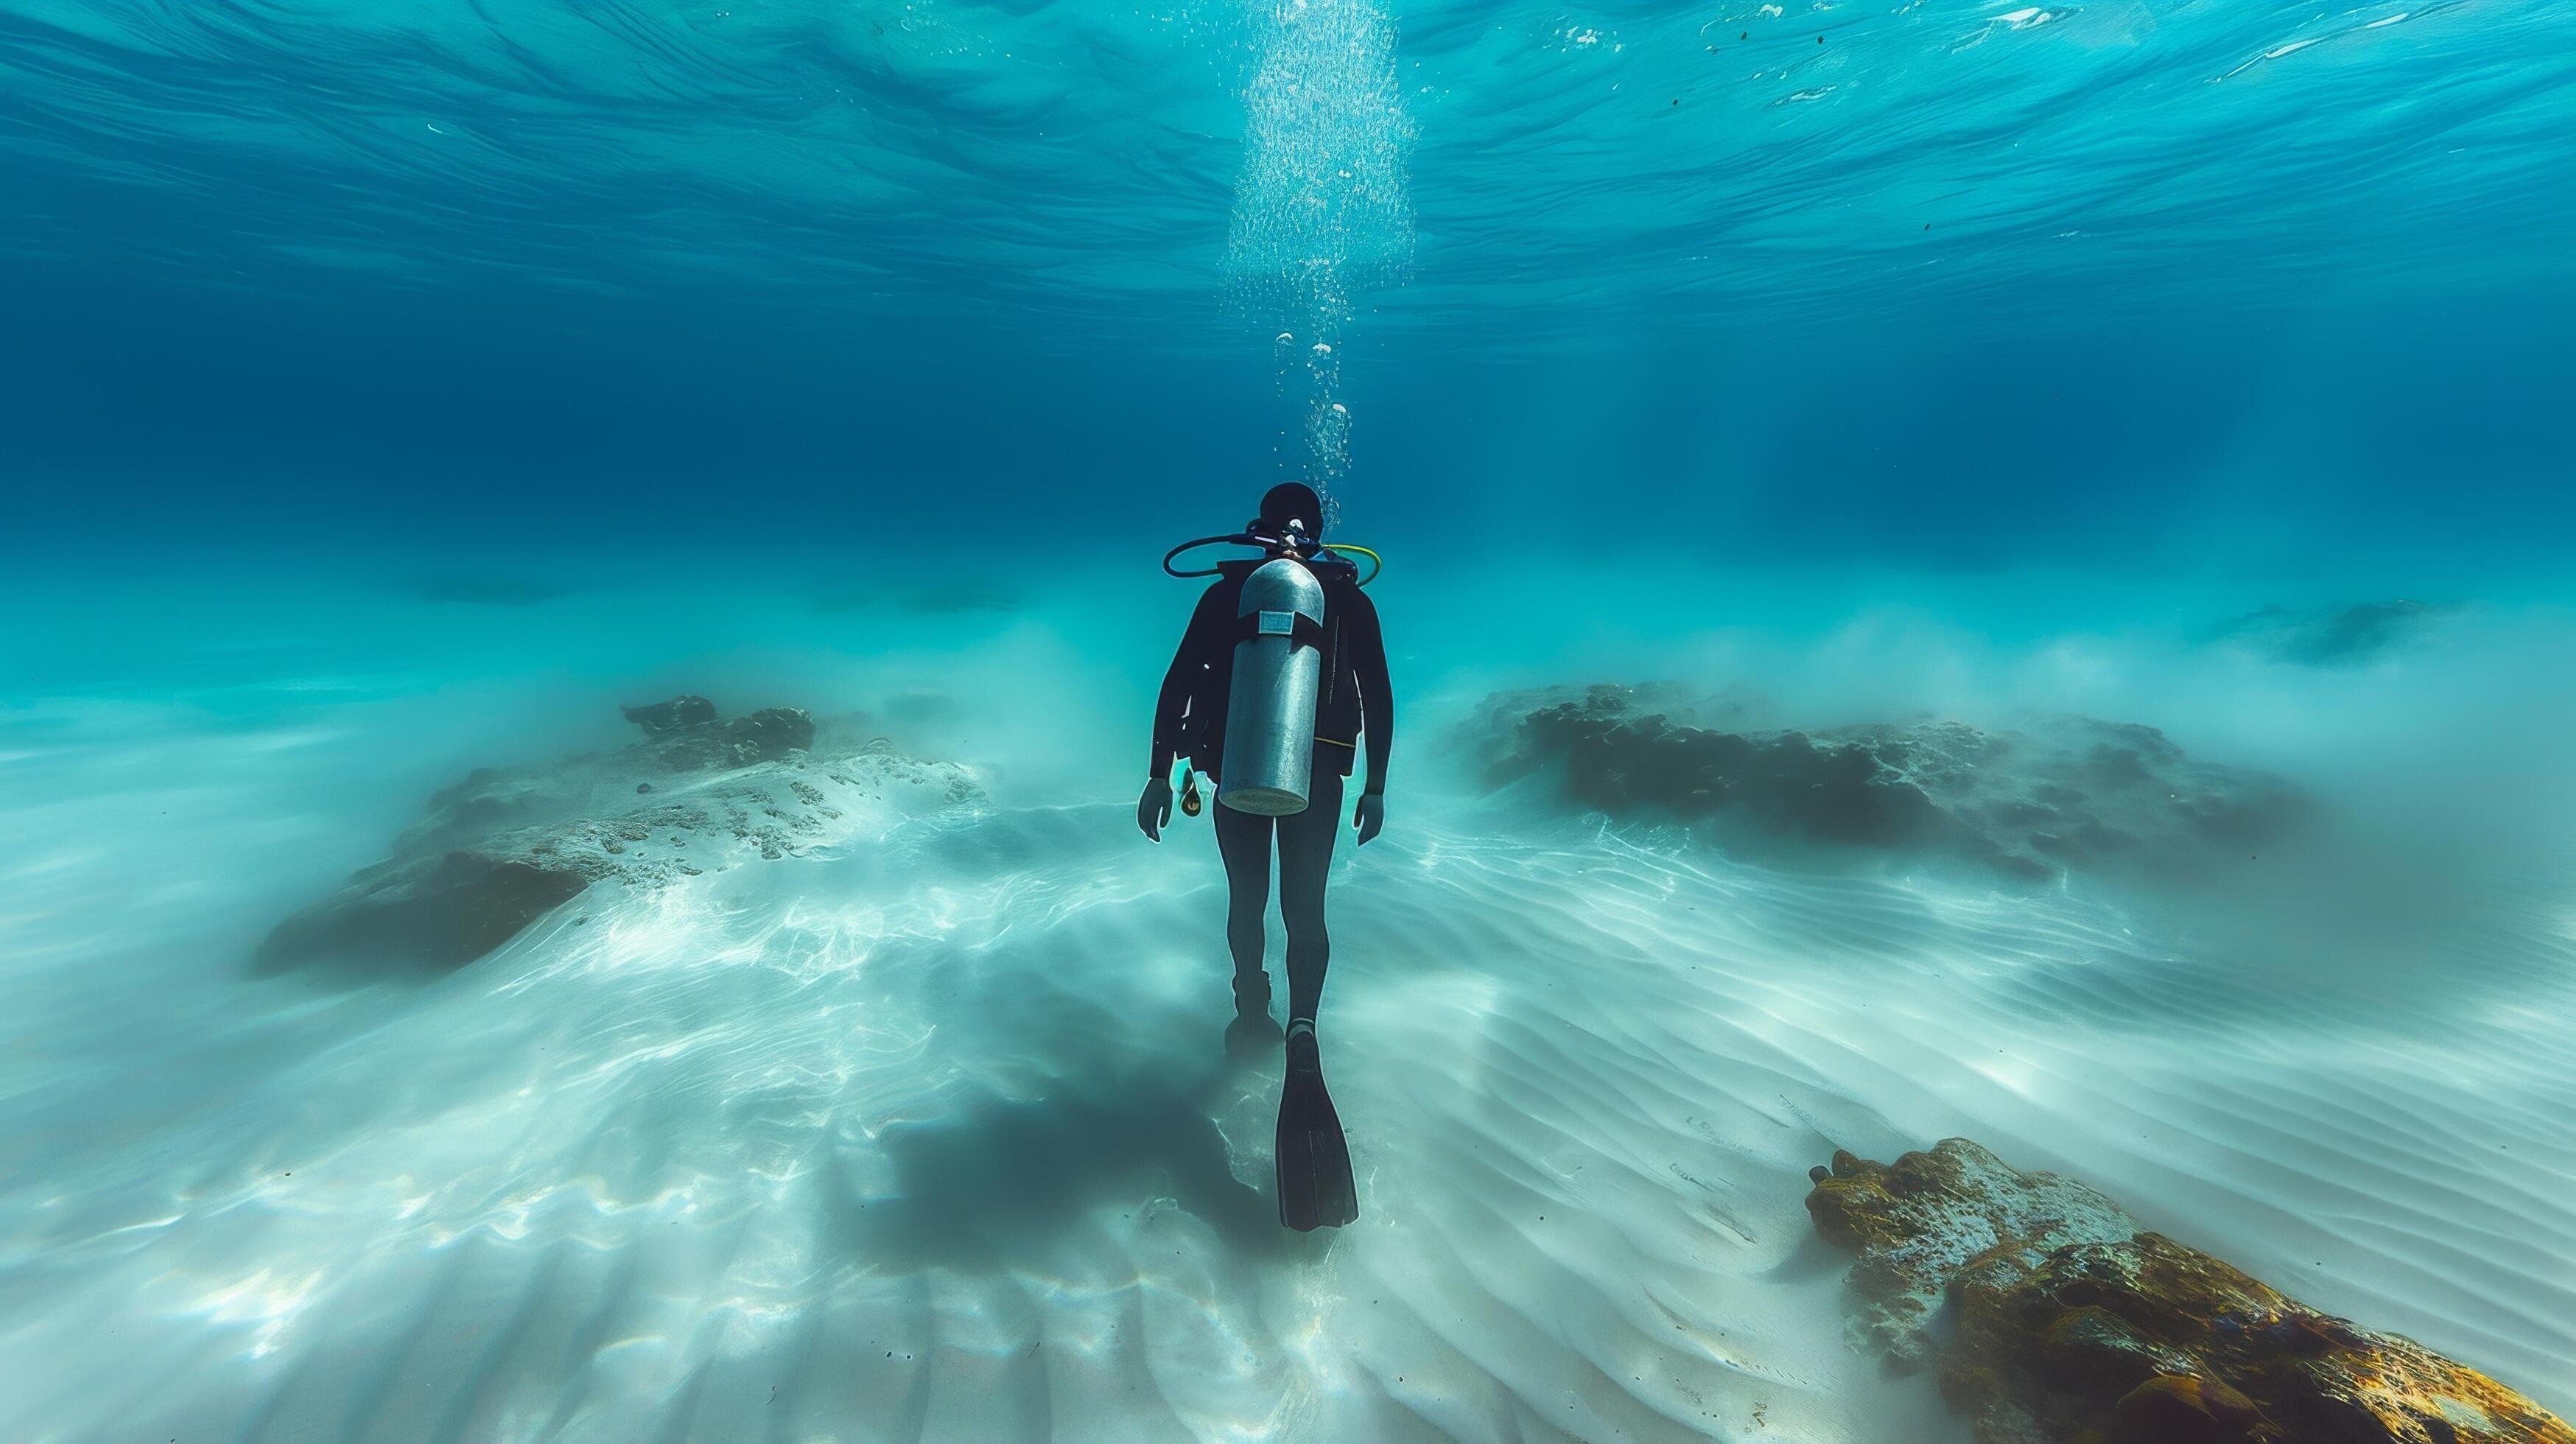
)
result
[(929, 1134)]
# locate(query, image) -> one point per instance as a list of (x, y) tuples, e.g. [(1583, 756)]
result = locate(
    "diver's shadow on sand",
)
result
[(1010, 1184)]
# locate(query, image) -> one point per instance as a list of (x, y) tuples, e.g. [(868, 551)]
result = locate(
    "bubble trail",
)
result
[(1321, 212)]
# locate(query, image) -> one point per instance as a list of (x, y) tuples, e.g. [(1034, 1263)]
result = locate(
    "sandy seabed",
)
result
[(927, 1132)]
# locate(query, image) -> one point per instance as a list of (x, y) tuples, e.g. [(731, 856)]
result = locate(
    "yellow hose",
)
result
[(1363, 551)]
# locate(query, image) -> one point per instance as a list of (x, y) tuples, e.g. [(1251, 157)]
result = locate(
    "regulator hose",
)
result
[(1377, 563), (1238, 539)]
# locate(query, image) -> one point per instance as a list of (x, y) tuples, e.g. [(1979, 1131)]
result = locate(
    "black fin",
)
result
[(1315, 1185)]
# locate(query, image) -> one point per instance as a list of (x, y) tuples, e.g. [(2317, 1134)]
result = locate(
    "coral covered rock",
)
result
[(660, 719), (499, 849), (2073, 792), (2052, 1318), (767, 735), (444, 910), (1919, 1221), (2337, 636)]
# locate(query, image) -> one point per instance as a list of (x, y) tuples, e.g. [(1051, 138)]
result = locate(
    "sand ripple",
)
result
[(933, 1139)]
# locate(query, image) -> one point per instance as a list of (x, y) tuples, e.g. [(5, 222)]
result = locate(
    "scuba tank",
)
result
[(1278, 665), (1270, 710)]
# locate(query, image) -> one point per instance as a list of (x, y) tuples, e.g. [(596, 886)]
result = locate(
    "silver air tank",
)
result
[(1270, 712)]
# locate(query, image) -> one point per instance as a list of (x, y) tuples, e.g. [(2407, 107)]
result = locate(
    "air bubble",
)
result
[(1321, 208)]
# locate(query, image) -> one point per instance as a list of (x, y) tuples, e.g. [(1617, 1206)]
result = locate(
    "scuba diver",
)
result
[(1279, 683)]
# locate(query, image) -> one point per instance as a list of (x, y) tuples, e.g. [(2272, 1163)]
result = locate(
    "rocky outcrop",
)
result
[(501, 848), (685, 734), (769, 735), (2339, 636), (445, 910), (661, 719), (2052, 1317), (1917, 1222), (2076, 793)]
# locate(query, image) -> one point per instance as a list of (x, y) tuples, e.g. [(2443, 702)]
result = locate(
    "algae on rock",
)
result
[(2052, 1317), (498, 850)]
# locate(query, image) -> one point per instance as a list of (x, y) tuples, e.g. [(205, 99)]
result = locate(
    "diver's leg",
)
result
[(1243, 840), (1305, 857), (1316, 1189)]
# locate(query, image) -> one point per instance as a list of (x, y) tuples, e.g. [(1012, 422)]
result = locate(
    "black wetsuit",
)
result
[(1353, 709)]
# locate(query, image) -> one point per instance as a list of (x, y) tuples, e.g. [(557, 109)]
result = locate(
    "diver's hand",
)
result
[(1154, 809), (1371, 816)]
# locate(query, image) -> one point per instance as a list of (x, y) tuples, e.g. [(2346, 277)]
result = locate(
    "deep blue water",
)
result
[(1963, 285)]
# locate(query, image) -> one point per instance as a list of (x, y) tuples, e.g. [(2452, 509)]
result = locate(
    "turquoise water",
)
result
[(2144, 279), (394, 391)]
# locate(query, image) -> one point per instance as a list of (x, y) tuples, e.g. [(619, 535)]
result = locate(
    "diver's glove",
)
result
[(1154, 809), (1371, 815)]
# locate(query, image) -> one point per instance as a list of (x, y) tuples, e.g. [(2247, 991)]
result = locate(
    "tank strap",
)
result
[(1300, 629)]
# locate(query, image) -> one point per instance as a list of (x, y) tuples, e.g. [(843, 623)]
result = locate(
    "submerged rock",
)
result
[(2075, 793), (2052, 1317), (661, 719), (1917, 1222), (443, 911), (767, 735), (2346, 635), (499, 849)]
